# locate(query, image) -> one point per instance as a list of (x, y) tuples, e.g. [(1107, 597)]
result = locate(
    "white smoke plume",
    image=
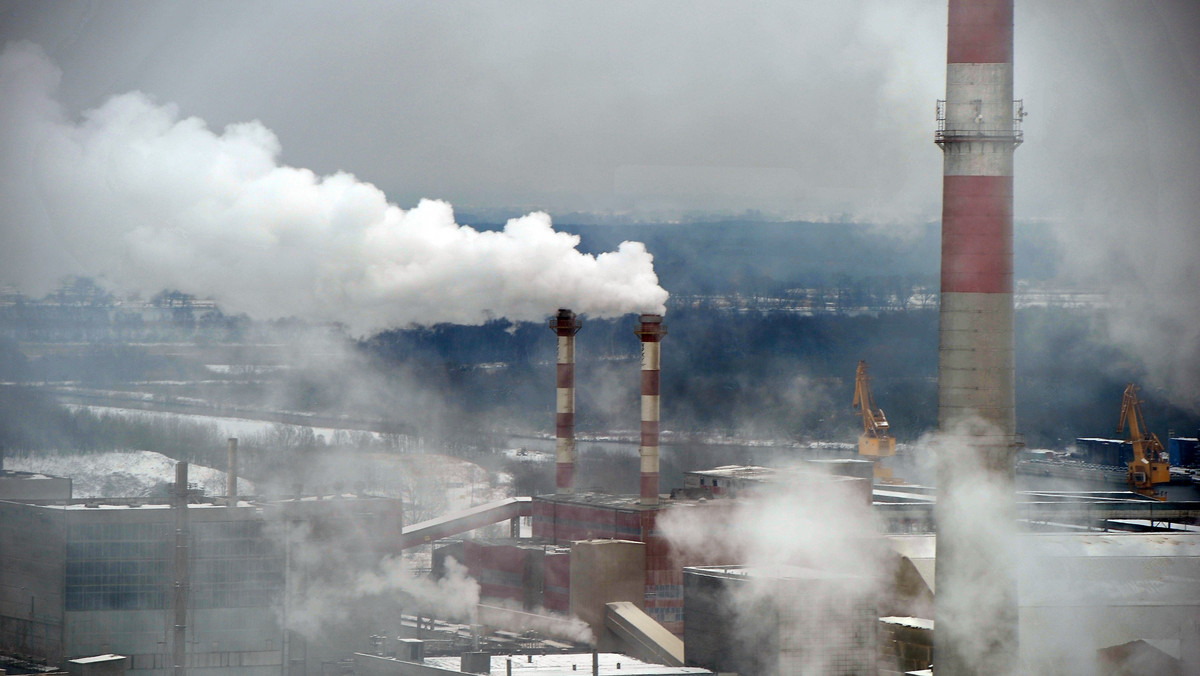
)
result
[(814, 532), (146, 199), (976, 587), (331, 587), (509, 615)]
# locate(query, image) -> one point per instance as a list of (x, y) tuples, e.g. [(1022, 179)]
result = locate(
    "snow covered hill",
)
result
[(121, 474)]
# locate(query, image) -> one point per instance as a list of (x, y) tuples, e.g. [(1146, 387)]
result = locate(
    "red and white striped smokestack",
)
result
[(565, 326), (651, 331), (978, 130)]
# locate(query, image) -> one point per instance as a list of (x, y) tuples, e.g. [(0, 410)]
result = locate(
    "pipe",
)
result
[(182, 574), (231, 474), (651, 332), (979, 128), (565, 326)]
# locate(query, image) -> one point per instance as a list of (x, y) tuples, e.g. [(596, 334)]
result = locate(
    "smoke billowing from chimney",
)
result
[(147, 200)]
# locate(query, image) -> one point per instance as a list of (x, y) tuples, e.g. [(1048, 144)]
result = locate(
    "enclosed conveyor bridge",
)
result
[(465, 520)]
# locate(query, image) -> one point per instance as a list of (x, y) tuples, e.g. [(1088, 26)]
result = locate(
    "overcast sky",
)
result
[(816, 110)]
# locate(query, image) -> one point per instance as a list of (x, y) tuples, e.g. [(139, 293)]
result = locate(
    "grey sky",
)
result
[(803, 108), (818, 110)]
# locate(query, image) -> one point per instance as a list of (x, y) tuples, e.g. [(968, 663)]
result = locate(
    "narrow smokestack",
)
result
[(181, 572), (565, 326), (231, 474), (651, 331), (978, 130)]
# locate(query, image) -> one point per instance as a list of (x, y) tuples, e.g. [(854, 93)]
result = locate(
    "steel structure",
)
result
[(465, 520), (182, 572), (651, 331), (1149, 465), (876, 440), (977, 131), (231, 475), (565, 326)]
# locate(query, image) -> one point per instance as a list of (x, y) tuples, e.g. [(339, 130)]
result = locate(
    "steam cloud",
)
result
[(323, 606), (821, 525), (148, 200)]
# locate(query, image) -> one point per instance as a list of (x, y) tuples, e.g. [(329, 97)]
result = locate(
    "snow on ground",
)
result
[(527, 455), (121, 474), (430, 485), (246, 368)]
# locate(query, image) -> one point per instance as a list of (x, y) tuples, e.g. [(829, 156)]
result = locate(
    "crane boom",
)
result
[(1149, 465), (875, 440)]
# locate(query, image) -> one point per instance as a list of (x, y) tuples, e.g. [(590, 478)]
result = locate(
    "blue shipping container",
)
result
[(1183, 451)]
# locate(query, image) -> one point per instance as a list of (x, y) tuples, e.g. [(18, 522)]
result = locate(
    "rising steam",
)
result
[(148, 200)]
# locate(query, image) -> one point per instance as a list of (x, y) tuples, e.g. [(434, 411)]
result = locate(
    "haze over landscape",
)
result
[(666, 113), (336, 232)]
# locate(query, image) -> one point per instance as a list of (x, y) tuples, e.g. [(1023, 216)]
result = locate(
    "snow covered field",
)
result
[(232, 427)]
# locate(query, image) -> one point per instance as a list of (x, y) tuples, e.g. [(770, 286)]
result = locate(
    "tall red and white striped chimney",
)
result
[(565, 326), (978, 130), (651, 331)]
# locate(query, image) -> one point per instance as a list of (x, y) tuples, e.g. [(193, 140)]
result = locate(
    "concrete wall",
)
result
[(905, 645), (101, 665), (779, 621), (27, 486), (373, 665), (604, 571), (32, 568)]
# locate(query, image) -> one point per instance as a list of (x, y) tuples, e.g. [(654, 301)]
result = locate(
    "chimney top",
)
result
[(565, 323), (650, 328)]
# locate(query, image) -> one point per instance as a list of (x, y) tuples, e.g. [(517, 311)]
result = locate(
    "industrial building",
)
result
[(92, 577), (208, 584), (153, 579), (1083, 593), (569, 664), (32, 486), (603, 558), (779, 620)]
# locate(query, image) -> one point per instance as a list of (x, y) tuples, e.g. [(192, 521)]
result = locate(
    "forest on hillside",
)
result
[(766, 325)]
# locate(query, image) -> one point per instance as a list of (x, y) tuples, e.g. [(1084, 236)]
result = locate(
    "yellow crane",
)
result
[(874, 442), (1149, 465)]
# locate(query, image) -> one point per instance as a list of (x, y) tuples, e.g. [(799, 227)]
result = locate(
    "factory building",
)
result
[(567, 664), (536, 573), (1080, 595), (93, 577), (779, 620), (33, 486), (202, 583)]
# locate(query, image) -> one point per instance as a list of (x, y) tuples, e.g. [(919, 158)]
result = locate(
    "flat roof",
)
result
[(570, 664), (916, 622), (35, 476), (751, 472), (110, 657), (130, 504), (627, 502), (776, 572)]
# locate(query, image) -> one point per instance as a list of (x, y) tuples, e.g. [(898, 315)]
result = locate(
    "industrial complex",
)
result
[(818, 567), (831, 565)]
